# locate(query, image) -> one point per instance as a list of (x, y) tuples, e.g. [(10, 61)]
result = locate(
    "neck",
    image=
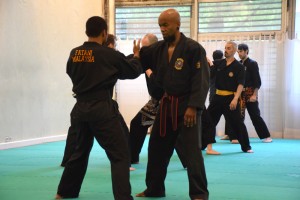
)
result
[(175, 42), (99, 40), (230, 59), (243, 60)]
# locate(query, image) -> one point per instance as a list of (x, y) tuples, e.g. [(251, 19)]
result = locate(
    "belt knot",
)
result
[(173, 101)]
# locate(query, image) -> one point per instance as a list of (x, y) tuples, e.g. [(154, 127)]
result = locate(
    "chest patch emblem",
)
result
[(230, 74), (198, 65), (179, 63)]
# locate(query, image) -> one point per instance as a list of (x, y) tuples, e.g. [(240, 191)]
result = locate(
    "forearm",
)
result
[(238, 91), (255, 91)]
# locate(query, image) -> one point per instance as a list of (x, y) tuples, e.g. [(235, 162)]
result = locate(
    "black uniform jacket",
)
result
[(252, 74), (228, 77), (186, 75), (94, 69)]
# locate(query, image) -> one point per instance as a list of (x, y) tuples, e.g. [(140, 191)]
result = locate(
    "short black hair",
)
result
[(243, 47), (94, 26), (217, 54), (111, 39)]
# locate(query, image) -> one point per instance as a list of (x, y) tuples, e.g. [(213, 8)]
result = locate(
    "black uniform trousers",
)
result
[(71, 140), (161, 149), (220, 105), (70, 145), (256, 119), (110, 136), (229, 131), (137, 137), (208, 130)]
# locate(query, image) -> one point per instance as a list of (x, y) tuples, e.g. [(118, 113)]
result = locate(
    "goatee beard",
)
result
[(169, 39)]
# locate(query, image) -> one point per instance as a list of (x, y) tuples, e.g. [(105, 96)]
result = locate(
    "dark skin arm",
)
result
[(190, 117)]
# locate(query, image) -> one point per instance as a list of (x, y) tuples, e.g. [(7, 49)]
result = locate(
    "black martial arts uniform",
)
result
[(185, 81), (94, 70), (253, 81), (143, 120), (227, 80), (208, 128), (72, 138)]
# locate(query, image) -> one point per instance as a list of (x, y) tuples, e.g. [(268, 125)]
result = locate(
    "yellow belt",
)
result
[(224, 92)]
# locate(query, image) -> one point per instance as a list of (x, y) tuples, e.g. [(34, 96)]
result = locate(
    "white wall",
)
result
[(36, 37), (131, 95)]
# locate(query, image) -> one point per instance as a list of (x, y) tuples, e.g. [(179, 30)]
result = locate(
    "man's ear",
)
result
[(104, 35), (178, 25)]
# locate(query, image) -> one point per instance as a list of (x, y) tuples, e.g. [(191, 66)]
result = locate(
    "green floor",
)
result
[(271, 173)]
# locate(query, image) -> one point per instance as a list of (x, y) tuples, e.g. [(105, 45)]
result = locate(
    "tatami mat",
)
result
[(271, 173)]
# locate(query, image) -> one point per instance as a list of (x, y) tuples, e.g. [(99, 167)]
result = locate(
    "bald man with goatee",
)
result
[(178, 66)]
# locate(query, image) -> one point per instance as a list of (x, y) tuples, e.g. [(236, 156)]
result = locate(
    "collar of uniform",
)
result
[(91, 44)]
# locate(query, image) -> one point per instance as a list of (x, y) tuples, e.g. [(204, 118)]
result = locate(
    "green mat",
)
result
[(271, 173)]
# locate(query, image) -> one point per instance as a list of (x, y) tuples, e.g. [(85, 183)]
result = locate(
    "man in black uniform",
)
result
[(94, 70), (230, 78), (71, 137), (217, 55), (249, 96), (209, 130), (178, 65), (145, 117)]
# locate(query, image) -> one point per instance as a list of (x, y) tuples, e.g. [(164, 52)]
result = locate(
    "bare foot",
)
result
[(131, 168), (234, 142), (57, 196), (250, 151), (142, 194), (212, 152), (225, 137), (267, 140)]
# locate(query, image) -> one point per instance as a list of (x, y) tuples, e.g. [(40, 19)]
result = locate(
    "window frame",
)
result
[(185, 21), (232, 35), (194, 34)]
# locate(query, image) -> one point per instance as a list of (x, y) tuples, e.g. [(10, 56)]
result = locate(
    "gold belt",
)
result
[(224, 92)]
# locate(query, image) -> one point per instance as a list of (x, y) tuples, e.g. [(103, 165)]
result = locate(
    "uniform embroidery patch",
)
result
[(83, 56), (198, 65), (230, 74), (179, 63)]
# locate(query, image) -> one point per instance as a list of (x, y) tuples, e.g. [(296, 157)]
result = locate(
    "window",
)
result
[(239, 16), (135, 22)]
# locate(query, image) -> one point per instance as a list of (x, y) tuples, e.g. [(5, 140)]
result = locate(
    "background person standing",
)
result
[(230, 79), (249, 96)]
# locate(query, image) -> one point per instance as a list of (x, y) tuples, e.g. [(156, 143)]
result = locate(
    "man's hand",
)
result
[(136, 48), (253, 98), (210, 63), (148, 72), (190, 117), (233, 103)]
